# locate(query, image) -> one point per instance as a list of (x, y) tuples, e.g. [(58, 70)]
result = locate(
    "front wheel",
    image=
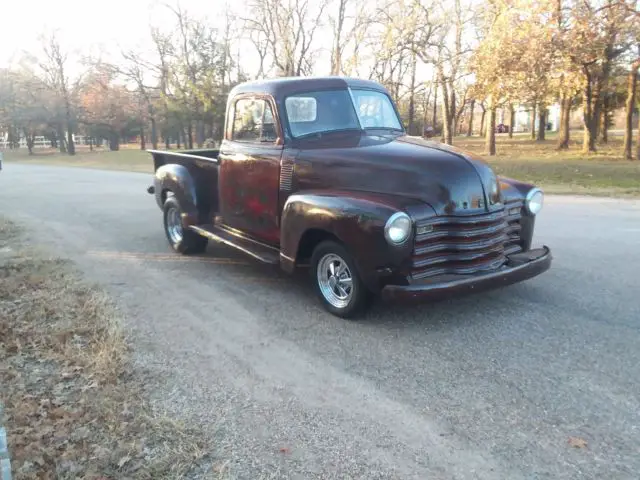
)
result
[(337, 281), (181, 240)]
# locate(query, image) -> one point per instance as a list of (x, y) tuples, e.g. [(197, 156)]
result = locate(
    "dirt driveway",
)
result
[(488, 387)]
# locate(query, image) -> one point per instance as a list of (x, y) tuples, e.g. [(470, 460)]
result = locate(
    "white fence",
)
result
[(42, 142)]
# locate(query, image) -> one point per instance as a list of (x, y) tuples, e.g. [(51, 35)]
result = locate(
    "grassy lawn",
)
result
[(74, 407), (604, 173), (129, 158)]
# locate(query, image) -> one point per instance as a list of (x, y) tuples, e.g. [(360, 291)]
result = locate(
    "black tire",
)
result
[(359, 297), (185, 241)]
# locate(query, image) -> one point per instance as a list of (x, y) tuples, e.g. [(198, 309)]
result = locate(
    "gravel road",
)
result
[(483, 387)]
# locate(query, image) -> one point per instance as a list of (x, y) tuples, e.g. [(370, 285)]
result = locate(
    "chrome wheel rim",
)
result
[(335, 280), (174, 225)]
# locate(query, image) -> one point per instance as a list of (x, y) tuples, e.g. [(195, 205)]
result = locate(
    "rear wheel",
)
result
[(337, 281), (181, 239)]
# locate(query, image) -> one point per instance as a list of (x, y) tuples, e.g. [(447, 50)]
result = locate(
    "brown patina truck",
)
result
[(320, 173)]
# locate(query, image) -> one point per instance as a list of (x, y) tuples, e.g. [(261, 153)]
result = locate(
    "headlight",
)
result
[(533, 202), (397, 228)]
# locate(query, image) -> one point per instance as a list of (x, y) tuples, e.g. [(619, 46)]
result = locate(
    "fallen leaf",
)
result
[(577, 442), (93, 384), (284, 450), (123, 461)]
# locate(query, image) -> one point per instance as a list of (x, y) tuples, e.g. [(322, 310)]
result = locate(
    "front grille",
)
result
[(466, 245)]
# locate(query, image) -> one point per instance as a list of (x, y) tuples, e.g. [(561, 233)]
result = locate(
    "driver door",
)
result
[(250, 169)]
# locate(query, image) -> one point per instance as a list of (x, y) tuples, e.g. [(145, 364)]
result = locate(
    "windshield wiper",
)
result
[(389, 129), (324, 132)]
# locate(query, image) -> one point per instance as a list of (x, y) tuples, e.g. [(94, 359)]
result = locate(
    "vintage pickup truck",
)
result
[(318, 172)]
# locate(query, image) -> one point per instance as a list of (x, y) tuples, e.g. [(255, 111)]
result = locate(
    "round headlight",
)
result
[(398, 228), (533, 202)]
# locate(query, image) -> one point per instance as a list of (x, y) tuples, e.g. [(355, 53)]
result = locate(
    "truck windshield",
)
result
[(326, 111)]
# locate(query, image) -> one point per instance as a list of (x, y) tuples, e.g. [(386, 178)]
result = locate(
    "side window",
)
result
[(253, 121)]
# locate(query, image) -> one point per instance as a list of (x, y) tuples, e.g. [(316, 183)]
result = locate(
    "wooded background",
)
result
[(451, 66)]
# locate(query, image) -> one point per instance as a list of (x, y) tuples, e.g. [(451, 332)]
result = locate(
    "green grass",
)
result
[(128, 158), (604, 173)]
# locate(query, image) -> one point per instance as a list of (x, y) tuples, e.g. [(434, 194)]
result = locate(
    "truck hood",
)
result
[(451, 181)]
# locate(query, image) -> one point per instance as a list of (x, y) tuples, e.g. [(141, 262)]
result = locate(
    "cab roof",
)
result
[(284, 86)]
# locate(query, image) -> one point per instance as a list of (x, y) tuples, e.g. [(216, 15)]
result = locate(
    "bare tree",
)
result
[(439, 40), (163, 49), (349, 22), (261, 44), (134, 69), (56, 78), (288, 28)]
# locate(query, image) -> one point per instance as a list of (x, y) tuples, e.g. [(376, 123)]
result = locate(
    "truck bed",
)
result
[(202, 165), (183, 157)]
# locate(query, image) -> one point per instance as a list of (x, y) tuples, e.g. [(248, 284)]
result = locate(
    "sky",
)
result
[(114, 26), (86, 26)]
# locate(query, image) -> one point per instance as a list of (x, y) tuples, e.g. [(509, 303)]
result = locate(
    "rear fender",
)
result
[(177, 180), (356, 219)]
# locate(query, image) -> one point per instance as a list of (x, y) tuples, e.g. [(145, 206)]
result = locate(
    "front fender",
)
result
[(513, 190), (356, 219), (177, 179)]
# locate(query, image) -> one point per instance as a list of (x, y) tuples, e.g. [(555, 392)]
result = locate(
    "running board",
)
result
[(259, 251)]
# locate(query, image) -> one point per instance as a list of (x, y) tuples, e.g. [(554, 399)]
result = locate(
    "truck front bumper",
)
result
[(519, 267)]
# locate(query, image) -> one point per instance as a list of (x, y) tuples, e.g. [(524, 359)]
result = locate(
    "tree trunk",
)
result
[(336, 54), (200, 133), (490, 144), (482, 121), (71, 147), (189, 138), (591, 114), (632, 82), (565, 115), (638, 142), (542, 123), (447, 120), (512, 119), (533, 122), (91, 144), (470, 126), (143, 143), (154, 133), (425, 111), (604, 126), (412, 97), (63, 147), (451, 120), (30, 141), (435, 106), (114, 142), (458, 115)]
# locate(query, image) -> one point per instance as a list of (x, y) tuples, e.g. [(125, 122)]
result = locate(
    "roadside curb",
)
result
[(5, 462)]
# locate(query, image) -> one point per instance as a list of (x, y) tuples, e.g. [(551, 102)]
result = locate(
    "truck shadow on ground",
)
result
[(262, 288), (297, 293)]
